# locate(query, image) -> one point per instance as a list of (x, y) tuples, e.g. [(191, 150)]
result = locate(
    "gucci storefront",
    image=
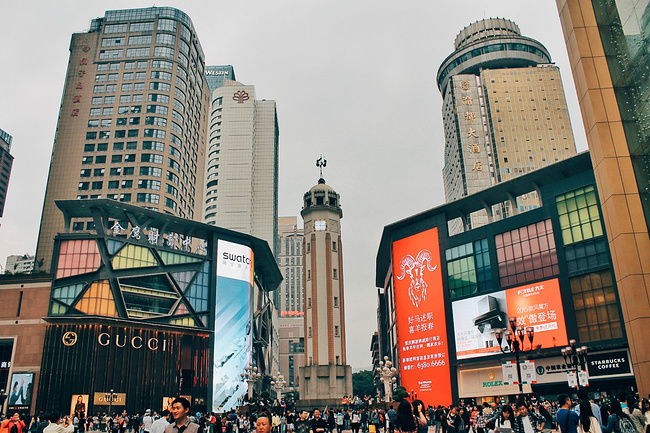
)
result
[(146, 364), (145, 307)]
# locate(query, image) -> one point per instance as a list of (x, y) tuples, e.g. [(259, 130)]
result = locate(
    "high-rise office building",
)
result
[(289, 258), (504, 110), (607, 44), (291, 300), (326, 376), (216, 75), (241, 166), (6, 161), (132, 124)]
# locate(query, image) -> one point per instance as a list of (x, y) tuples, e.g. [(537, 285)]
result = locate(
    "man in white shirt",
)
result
[(161, 423), (55, 424)]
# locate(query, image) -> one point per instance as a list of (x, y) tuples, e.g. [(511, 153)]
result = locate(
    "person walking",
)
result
[(161, 423), (182, 423), (147, 421), (588, 422), (421, 421), (404, 419), (567, 420), (504, 421), (618, 421)]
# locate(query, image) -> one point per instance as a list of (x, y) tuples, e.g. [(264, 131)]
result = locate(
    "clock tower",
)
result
[(326, 377)]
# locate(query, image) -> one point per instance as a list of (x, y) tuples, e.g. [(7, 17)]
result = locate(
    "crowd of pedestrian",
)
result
[(622, 415)]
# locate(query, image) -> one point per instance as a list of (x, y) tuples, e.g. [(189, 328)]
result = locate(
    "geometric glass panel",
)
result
[(113, 246), (198, 293), (98, 300), (77, 257), (67, 294), (185, 321), (527, 253), (154, 283), (133, 256), (57, 309), (578, 215), (182, 309), (177, 259), (142, 305), (596, 306), (183, 278)]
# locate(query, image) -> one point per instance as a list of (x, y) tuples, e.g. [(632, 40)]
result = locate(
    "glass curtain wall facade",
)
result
[(132, 125), (489, 273), (607, 43), (133, 307)]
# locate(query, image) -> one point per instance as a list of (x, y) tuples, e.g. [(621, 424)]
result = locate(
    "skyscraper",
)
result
[(241, 166), (326, 376), (289, 258), (291, 300), (504, 109), (6, 161), (216, 75), (132, 125), (607, 44)]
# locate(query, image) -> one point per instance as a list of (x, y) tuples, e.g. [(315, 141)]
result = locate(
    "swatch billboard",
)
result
[(420, 313), (538, 305), (232, 328)]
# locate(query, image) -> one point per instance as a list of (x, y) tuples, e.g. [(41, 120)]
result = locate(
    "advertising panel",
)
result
[(538, 305), (420, 313), (79, 405), (232, 328), (20, 396)]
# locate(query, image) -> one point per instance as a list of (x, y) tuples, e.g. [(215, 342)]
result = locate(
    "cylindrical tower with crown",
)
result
[(326, 377)]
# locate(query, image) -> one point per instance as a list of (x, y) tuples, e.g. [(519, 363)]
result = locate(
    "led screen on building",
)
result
[(232, 330), (420, 313), (20, 393), (538, 305)]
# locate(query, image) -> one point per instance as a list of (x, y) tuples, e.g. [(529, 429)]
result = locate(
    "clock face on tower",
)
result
[(320, 225)]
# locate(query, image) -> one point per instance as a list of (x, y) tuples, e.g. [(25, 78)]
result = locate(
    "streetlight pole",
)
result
[(575, 358), (110, 397), (278, 383), (515, 338), (387, 375), (251, 375)]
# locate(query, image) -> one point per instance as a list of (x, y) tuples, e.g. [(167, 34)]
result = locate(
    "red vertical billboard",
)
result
[(421, 321)]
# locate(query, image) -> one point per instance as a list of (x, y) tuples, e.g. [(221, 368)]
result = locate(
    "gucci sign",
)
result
[(104, 339)]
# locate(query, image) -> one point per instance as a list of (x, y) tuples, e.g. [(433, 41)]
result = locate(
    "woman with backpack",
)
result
[(618, 421), (588, 422)]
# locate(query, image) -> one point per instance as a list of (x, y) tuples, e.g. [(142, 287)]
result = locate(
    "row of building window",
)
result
[(528, 253)]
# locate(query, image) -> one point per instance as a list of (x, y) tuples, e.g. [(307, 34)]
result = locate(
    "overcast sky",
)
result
[(353, 80)]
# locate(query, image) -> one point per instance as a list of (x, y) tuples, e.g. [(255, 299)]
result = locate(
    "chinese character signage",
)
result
[(420, 311), (232, 328), (538, 305)]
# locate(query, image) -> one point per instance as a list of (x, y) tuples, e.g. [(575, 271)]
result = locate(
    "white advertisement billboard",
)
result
[(232, 328)]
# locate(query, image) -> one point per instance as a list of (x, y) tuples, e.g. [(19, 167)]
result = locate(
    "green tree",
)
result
[(400, 393), (363, 383)]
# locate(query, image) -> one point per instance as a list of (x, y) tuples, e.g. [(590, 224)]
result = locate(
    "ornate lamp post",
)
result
[(251, 375), (387, 375), (111, 397), (515, 338), (575, 358), (278, 383)]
